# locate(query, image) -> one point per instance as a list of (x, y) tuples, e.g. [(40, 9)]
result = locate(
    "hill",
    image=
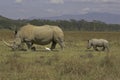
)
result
[(104, 17), (6, 23), (72, 24)]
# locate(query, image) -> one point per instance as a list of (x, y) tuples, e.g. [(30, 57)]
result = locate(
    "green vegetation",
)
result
[(76, 25), (74, 63)]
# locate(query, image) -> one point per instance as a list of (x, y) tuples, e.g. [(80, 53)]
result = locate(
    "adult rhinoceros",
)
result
[(95, 43), (41, 35)]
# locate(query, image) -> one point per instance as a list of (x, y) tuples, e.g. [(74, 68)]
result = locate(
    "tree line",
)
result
[(69, 25)]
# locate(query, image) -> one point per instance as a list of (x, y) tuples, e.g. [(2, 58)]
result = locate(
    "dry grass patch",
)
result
[(74, 63)]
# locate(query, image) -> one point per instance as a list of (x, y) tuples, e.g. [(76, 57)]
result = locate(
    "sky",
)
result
[(24, 9)]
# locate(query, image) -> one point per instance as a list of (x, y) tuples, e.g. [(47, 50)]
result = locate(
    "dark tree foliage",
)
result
[(70, 25)]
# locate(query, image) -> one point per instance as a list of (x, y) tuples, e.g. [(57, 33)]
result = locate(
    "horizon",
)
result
[(107, 18)]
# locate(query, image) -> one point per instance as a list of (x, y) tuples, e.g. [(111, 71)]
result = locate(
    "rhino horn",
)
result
[(8, 44)]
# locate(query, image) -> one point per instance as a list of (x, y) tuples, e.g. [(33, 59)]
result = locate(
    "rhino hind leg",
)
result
[(53, 45), (103, 49), (61, 43)]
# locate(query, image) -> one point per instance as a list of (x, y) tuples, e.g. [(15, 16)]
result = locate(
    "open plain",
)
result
[(75, 62)]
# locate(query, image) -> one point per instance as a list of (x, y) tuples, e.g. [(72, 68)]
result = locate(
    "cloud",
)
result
[(53, 12), (108, 1), (98, 1), (56, 1), (18, 1), (50, 10), (84, 10)]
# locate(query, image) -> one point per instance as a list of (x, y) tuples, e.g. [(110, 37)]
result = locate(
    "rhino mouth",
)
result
[(10, 45), (13, 46)]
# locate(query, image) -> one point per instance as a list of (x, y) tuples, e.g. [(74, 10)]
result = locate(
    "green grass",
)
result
[(74, 63)]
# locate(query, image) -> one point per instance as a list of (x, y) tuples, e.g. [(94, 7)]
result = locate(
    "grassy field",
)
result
[(74, 63)]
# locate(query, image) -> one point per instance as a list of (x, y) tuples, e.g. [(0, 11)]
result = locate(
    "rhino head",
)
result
[(15, 45), (89, 44)]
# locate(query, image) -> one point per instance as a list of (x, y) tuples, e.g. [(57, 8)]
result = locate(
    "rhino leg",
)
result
[(61, 43), (29, 45), (107, 48), (103, 49), (53, 45), (95, 48), (33, 48)]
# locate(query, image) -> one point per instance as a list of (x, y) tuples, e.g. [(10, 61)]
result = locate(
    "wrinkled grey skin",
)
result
[(41, 35), (95, 43)]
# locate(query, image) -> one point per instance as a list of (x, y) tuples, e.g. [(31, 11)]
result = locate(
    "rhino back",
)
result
[(96, 42), (103, 40), (100, 42), (37, 34)]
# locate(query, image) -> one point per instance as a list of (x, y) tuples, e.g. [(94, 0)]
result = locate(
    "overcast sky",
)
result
[(16, 9)]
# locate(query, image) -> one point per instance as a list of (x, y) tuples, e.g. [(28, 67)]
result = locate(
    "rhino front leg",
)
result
[(29, 45), (95, 48)]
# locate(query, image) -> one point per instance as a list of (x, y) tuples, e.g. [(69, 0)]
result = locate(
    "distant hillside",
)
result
[(64, 23), (104, 17), (4, 18), (6, 23)]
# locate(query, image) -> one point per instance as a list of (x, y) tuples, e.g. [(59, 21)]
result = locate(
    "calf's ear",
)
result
[(87, 40)]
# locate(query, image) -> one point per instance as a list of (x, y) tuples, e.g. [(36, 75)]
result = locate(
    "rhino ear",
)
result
[(15, 32)]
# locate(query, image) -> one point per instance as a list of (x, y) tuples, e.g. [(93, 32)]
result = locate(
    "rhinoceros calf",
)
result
[(95, 43), (41, 35)]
